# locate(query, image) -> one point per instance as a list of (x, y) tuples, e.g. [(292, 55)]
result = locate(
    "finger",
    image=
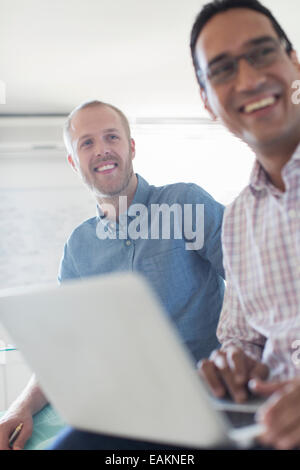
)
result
[(236, 391), (22, 438), (265, 389), (5, 431), (281, 415), (238, 364), (210, 374), (4, 443), (287, 439), (259, 371), (291, 439), (283, 410)]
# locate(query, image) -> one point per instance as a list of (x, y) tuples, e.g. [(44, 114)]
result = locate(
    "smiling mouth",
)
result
[(259, 104), (104, 168)]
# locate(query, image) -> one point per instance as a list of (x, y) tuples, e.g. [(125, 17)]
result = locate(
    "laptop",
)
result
[(110, 361)]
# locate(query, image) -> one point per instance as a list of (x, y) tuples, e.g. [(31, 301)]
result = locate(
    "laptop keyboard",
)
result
[(238, 419)]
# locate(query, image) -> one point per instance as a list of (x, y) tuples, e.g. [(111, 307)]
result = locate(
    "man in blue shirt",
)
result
[(169, 234), (151, 233)]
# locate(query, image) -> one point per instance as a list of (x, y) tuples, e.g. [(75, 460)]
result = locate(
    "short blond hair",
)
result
[(89, 104)]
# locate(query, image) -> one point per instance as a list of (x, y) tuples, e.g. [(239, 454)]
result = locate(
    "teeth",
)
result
[(260, 104), (104, 168)]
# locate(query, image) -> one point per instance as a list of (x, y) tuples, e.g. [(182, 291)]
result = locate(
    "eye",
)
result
[(264, 54), (113, 137), (268, 50), (86, 143), (224, 68)]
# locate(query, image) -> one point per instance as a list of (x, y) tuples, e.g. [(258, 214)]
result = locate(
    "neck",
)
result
[(113, 206), (274, 159)]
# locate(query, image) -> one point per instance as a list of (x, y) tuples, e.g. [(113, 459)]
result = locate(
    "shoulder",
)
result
[(236, 215), (236, 209), (182, 193), (83, 230)]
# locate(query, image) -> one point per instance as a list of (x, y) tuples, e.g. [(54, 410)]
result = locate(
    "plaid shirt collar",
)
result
[(260, 181)]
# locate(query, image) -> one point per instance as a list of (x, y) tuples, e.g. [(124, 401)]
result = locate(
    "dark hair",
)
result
[(218, 6)]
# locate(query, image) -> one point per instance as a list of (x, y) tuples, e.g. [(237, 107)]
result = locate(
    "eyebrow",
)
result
[(84, 137), (251, 42), (105, 131)]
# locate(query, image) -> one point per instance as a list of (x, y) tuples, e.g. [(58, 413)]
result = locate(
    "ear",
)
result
[(295, 60), (132, 146), (72, 163), (207, 106)]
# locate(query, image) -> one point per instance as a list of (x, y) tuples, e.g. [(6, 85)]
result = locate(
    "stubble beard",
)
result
[(104, 193)]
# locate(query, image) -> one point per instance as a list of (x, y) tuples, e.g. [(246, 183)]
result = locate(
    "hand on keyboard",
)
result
[(228, 372)]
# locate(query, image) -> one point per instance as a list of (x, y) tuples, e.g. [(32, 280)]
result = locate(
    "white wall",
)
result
[(42, 199)]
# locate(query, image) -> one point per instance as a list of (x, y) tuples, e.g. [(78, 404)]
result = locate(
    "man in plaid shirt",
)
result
[(248, 71)]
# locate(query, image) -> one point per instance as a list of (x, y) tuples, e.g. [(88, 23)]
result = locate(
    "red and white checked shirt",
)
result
[(261, 243)]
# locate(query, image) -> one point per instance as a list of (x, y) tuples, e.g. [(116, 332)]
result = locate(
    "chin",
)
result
[(106, 192), (260, 140)]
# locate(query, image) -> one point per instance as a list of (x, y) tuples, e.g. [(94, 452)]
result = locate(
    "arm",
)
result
[(234, 331), (29, 402), (67, 268), (32, 399), (210, 228), (239, 360)]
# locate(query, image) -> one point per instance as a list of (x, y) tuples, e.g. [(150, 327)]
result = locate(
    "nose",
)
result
[(248, 77), (104, 153), (101, 149)]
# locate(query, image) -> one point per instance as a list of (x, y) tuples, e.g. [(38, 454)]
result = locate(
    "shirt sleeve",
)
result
[(234, 328), (210, 227), (67, 269)]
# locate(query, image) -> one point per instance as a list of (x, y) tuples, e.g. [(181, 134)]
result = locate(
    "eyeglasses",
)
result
[(225, 69)]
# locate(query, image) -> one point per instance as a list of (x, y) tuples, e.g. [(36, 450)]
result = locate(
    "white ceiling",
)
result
[(54, 54)]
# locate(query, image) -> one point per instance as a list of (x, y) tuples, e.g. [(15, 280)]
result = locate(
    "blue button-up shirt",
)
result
[(187, 278)]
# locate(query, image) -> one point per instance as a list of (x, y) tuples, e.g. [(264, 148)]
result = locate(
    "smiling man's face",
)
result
[(103, 151), (256, 103)]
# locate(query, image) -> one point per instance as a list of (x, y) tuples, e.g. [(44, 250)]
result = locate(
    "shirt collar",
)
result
[(141, 197), (142, 192), (259, 179)]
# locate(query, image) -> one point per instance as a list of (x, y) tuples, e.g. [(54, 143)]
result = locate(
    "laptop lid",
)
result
[(110, 361)]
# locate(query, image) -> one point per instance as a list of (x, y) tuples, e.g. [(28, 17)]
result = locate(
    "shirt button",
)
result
[(128, 242), (292, 214)]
